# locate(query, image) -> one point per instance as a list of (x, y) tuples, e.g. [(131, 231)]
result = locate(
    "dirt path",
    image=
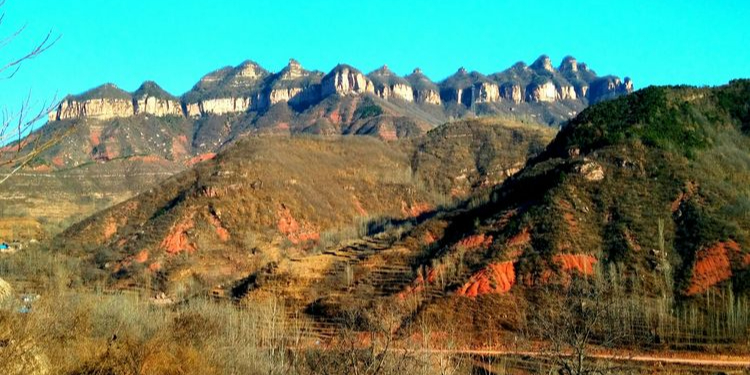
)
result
[(676, 359)]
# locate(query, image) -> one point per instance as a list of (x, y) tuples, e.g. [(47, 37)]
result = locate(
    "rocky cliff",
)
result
[(248, 87), (346, 80), (388, 85), (425, 91)]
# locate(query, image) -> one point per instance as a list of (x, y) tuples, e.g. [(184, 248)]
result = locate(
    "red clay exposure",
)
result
[(177, 240), (712, 266), (475, 241), (581, 263), (496, 278)]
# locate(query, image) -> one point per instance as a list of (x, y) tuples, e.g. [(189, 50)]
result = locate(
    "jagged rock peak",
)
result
[(543, 63), (151, 88), (344, 80), (461, 71), (569, 64), (250, 69), (292, 70), (416, 71)]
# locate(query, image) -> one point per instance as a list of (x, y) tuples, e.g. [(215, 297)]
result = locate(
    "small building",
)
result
[(4, 246)]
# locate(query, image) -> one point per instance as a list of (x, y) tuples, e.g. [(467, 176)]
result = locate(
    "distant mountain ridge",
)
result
[(250, 87)]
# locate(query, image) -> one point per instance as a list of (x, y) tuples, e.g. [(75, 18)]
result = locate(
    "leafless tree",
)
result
[(15, 150), (573, 316)]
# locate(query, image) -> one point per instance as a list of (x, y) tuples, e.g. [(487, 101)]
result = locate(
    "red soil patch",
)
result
[(182, 139), (429, 238), (581, 263), (110, 228), (570, 219), (200, 158), (42, 168), (283, 126), (141, 257), (497, 278), (421, 281), (94, 136), (335, 116), (148, 159), (388, 135), (746, 260), (520, 239), (221, 232), (416, 209), (289, 226), (153, 267), (712, 266), (475, 241), (177, 240), (58, 161), (458, 192)]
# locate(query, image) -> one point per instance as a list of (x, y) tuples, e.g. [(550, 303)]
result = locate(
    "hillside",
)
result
[(647, 192), (150, 132), (265, 199)]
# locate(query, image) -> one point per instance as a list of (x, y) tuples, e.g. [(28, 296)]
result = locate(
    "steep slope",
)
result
[(267, 199), (647, 191)]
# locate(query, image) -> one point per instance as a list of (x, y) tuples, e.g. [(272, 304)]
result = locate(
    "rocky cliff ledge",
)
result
[(249, 87), (346, 80)]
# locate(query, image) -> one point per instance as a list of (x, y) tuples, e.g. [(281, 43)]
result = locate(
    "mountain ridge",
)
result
[(250, 87)]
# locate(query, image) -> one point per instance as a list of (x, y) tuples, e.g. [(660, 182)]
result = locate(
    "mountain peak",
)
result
[(543, 63), (151, 88), (105, 91), (568, 64)]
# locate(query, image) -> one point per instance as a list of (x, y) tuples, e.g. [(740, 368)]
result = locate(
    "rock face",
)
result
[(485, 92), (542, 93), (222, 106), (153, 100), (157, 107), (293, 85), (388, 85), (425, 91), (345, 80), (511, 92), (249, 87), (99, 109), (609, 87)]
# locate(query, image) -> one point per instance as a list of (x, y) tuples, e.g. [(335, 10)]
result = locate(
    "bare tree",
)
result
[(573, 316), (15, 150)]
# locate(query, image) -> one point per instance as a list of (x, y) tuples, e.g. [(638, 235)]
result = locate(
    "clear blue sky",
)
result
[(177, 42)]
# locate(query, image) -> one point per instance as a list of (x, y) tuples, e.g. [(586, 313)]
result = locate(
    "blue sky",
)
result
[(177, 42)]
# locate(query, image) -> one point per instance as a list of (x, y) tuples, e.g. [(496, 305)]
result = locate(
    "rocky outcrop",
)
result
[(511, 92), (345, 80), (388, 85), (151, 99), (609, 87), (567, 93), (157, 107), (221, 106), (99, 109), (249, 87), (424, 90), (485, 92), (542, 93), (543, 63), (293, 85)]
